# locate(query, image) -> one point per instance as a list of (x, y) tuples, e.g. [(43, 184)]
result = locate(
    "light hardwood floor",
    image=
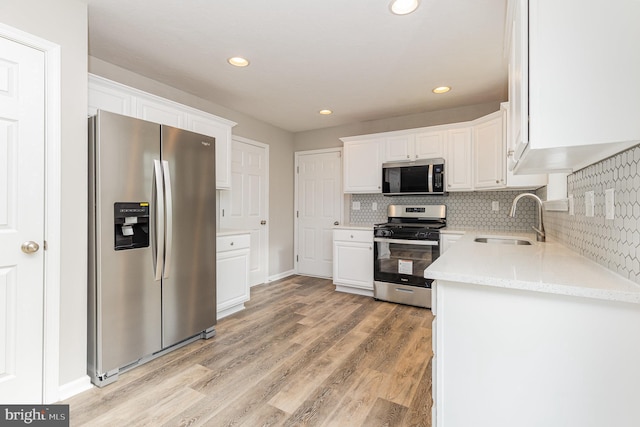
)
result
[(300, 354)]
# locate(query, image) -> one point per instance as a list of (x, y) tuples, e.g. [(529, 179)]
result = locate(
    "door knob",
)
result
[(30, 247)]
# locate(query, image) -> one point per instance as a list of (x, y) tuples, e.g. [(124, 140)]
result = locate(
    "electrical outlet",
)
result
[(609, 203), (589, 203), (495, 206), (572, 205), (355, 206), (374, 206)]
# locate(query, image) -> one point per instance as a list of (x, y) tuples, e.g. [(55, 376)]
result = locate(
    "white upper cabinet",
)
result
[(362, 166), (111, 96), (414, 144), (222, 133), (459, 161), (161, 111), (399, 148), (430, 144), (489, 170), (574, 89)]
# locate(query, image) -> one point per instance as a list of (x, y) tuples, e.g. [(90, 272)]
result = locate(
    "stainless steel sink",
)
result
[(502, 240)]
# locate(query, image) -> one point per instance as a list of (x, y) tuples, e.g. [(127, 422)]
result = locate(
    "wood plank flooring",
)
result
[(300, 354)]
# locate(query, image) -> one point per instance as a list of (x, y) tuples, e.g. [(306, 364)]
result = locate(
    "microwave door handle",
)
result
[(430, 179)]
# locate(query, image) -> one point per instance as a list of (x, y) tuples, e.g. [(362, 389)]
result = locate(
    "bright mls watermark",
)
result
[(34, 415)]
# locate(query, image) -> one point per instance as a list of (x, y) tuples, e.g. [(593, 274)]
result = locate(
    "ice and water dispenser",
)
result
[(131, 225)]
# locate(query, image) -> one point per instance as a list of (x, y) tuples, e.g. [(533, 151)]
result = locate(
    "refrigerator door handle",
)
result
[(158, 264), (169, 228)]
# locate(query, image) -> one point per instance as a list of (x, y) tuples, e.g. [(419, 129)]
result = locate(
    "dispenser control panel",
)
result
[(131, 225)]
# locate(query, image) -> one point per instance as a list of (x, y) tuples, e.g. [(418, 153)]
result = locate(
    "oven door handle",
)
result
[(407, 242)]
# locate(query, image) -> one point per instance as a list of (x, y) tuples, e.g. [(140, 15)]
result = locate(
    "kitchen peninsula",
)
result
[(532, 335)]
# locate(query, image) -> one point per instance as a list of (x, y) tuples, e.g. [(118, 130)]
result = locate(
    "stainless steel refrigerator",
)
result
[(152, 242)]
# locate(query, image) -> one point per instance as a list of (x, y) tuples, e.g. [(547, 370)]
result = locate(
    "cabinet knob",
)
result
[(352, 236), (231, 244), (336, 223), (497, 181), (408, 156)]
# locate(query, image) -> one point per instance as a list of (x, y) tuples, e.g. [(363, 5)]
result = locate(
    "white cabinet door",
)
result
[(430, 144), (489, 158), (353, 260), (399, 148), (232, 274), (114, 100), (222, 134), (459, 160), (363, 166), (158, 111), (574, 118)]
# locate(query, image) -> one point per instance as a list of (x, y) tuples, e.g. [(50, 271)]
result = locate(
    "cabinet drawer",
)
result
[(232, 243), (364, 236)]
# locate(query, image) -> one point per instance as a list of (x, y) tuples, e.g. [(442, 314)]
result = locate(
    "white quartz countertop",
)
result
[(230, 232), (354, 227), (548, 267)]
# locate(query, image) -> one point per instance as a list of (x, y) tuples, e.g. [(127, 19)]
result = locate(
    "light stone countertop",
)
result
[(548, 267), (354, 227), (230, 232)]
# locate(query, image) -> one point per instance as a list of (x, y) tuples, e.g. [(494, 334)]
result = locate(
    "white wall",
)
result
[(281, 159), (64, 22)]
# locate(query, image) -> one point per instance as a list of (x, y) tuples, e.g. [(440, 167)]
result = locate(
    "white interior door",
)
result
[(22, 77), (245, 205), (318, 209)]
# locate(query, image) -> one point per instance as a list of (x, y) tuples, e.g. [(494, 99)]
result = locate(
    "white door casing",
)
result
[(319, 206), (22, 221), (245, 205)]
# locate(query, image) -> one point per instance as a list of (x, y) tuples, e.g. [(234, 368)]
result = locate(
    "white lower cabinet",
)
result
[(508, 357), (232, 273), (353, 261)]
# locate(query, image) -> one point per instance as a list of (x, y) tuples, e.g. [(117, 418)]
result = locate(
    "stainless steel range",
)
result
[(403, 247)]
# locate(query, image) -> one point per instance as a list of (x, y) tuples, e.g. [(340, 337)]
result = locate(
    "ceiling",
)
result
[(351, 56)]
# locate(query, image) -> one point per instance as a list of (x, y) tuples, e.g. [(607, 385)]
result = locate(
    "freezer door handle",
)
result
[(159, 217), (169, 227)]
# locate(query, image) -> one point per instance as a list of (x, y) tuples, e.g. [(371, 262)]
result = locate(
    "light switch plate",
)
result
[(355, 206), (495, 206), (589, 203), (609, 203), (374, 206)]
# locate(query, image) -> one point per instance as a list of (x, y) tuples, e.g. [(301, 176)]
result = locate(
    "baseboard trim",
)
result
[(281, 275), (68, 390)]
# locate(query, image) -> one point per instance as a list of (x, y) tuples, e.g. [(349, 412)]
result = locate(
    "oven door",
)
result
[(404, 261)]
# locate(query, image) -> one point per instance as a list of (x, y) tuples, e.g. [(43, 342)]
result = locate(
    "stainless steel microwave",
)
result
[(418, 177)]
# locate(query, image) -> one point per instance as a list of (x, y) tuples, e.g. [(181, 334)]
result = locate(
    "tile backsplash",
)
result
[(464, 210), (613, 243)]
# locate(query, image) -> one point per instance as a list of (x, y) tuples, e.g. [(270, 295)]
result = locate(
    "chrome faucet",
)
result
[(540, 234)]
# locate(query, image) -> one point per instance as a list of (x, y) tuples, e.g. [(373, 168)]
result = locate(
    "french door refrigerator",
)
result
[(152, 237)]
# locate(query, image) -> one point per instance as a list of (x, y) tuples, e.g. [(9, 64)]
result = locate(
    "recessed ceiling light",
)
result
[(238, 61), (325, 112), (441, 89), (403, 7)]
